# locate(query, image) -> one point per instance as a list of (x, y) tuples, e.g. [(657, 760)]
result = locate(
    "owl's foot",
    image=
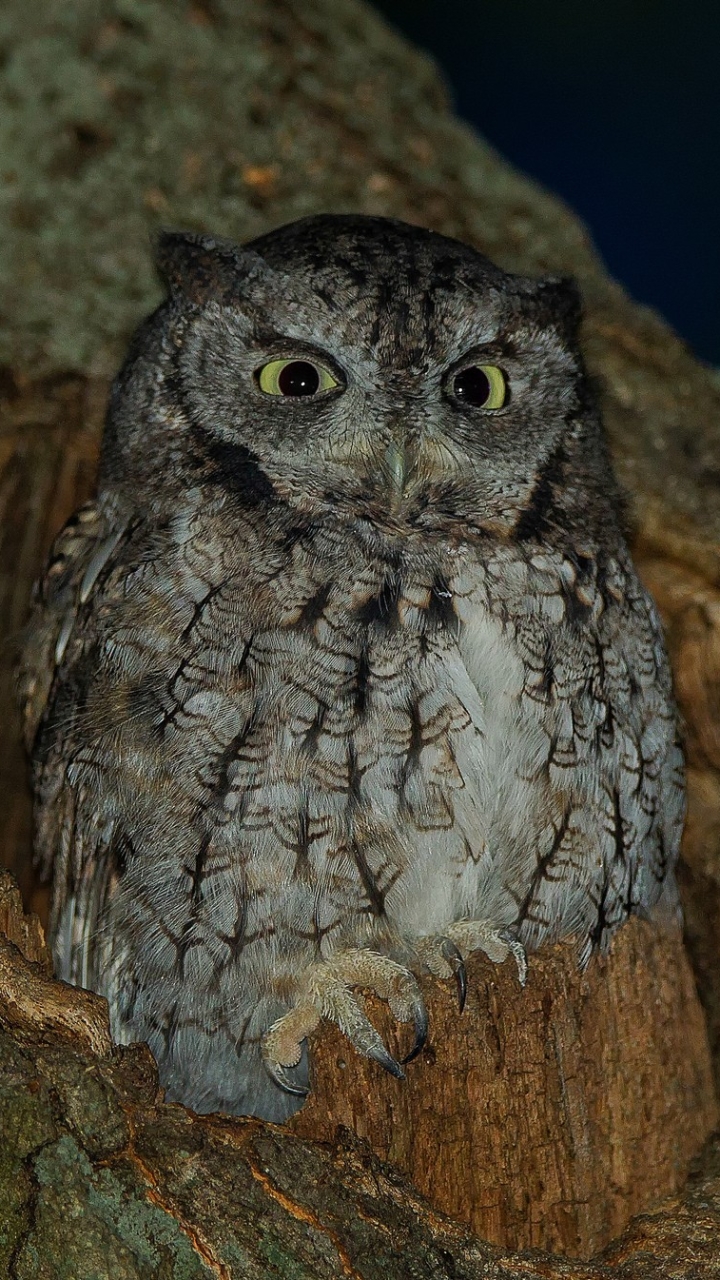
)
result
[(327, 993), (443, 954)]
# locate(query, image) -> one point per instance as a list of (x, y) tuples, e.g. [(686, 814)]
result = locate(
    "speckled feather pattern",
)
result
[(280, 707)]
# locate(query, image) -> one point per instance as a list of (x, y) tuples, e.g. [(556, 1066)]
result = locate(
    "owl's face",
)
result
[(356, 368)]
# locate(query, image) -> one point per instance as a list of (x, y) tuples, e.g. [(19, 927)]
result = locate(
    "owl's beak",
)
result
[(407, 462), (396, 463)]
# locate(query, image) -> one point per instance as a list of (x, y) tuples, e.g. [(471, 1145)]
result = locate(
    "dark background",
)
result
[(614, 105)]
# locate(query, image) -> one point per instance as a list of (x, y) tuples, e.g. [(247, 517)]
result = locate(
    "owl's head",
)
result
[(360, 369)]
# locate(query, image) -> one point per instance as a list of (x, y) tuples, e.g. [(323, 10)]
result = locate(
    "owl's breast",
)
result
[(380, 759), (337, 745)]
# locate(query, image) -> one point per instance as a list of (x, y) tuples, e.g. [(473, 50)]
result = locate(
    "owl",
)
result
[(346, 673)]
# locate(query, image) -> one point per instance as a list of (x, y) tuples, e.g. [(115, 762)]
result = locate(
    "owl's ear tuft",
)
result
[(559, 304), (204, 268)]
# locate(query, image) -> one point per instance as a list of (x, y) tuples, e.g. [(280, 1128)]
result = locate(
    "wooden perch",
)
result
[(104, 1176), (546, 1117)]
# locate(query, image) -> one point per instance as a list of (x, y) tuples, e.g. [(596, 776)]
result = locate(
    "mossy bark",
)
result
[(115, 118)]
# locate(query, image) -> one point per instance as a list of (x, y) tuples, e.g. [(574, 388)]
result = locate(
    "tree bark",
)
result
[(100, 1177), (544, 1117)]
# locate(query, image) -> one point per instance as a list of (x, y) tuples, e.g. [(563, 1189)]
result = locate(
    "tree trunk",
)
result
[(100, 1177), (544, 1117)]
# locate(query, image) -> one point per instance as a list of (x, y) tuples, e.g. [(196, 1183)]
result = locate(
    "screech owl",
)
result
[(347, 671)]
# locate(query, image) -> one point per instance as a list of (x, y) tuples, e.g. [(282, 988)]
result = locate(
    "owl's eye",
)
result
[(482, 385), (294, 378)]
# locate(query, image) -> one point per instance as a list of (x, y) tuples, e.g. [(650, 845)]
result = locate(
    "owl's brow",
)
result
[(271, 339)]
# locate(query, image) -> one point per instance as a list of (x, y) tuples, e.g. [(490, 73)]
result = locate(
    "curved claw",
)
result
[(277, 1074), (421, 1022), (380, 1055), (454, 958)]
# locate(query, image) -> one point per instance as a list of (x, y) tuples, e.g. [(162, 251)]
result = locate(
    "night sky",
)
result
[(616, 107)]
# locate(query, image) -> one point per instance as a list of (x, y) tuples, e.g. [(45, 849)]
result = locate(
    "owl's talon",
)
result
[(386, 1060), (327, 992), (422, 1023), (443, 953), (453, 956), (278, 1077)]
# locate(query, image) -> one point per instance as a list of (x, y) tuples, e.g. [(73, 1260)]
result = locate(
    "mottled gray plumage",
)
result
[(324, 688)]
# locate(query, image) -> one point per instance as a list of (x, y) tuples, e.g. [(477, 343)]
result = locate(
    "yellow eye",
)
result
[(294, 378), (482, 385)]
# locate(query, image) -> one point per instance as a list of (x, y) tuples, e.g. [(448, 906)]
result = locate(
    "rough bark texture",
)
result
[(544, 1117), (118, 116), (99, 1177)]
